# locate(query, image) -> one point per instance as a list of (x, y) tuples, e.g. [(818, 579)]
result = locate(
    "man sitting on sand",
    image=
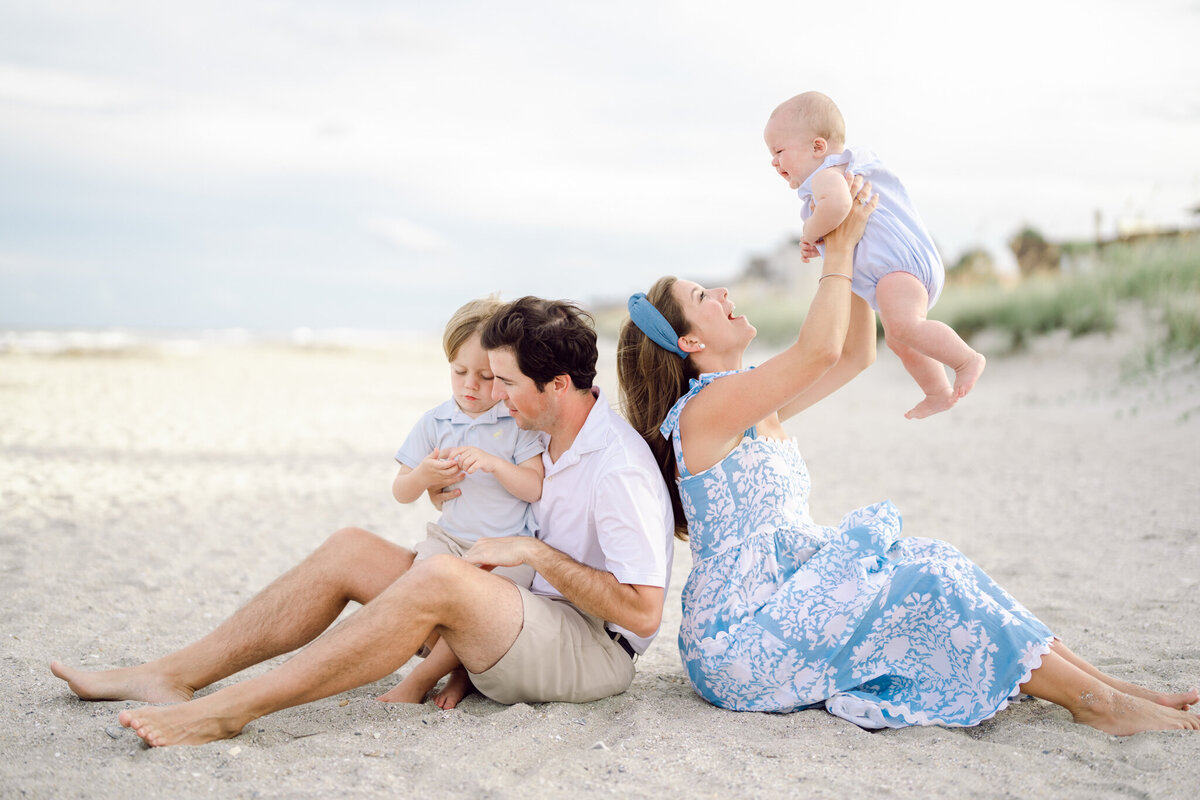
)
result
[(602, 554)]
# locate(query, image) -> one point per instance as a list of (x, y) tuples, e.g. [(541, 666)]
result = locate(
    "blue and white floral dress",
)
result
[(780, 613)]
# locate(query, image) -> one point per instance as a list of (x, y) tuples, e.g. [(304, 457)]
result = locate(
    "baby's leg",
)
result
[(924, 345), (930, 375), (413, 689)]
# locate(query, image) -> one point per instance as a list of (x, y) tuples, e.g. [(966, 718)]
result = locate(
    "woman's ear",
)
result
[(689, 344)]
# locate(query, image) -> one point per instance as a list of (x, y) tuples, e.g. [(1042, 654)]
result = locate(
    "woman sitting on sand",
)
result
[(780, 613)]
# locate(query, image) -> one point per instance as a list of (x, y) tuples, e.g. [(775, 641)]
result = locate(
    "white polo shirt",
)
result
[(605, 504)]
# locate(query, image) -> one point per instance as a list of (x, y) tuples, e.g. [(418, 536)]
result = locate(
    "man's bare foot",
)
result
[(195, 722), (458, 687), (966, 375), (410, 690), (1123, 714), (130, 683), (932, 404)]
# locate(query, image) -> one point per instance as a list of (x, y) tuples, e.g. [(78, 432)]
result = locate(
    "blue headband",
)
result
[(651, 322)]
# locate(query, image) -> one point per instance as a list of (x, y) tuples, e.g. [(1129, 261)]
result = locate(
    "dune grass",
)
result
[(1163, 277)]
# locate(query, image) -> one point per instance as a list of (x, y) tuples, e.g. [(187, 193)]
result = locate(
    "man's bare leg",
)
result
[(1093, 702), (440, 662), (1180, 700), (479, 615), (352, 564)]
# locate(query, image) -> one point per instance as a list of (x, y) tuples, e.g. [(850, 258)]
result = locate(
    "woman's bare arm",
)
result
[(715, 420), (857, 354)]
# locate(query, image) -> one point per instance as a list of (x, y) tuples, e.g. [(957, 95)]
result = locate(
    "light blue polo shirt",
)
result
[(485, 508)]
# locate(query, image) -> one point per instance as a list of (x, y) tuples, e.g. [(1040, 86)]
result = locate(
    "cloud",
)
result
[(467, 139), (62, 90), (406, 234)]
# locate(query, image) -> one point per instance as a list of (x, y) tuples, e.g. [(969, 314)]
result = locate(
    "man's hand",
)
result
[(438, 495), (503, 551)]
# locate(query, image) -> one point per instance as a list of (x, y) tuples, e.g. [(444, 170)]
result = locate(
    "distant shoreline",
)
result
[(128, 341)]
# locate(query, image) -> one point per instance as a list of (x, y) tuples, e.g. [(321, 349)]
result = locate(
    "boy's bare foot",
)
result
[(409, 690), (932, 404), (1123, 714), (458, 687), (966, 375), (196, 722), (130, 683)]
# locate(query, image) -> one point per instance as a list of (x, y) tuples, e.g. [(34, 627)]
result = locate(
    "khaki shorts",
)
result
[(561, 655), (437, 541)]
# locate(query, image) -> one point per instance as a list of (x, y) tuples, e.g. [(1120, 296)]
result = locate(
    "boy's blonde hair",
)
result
[(816, 113), (466, 322)]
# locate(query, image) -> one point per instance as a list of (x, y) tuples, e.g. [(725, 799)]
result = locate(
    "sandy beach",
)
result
[(146, 495)]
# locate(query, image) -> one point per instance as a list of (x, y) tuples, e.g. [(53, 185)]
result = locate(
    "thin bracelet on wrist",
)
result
[(835, 275)]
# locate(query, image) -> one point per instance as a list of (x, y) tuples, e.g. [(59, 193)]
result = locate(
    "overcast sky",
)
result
[(374, 164)]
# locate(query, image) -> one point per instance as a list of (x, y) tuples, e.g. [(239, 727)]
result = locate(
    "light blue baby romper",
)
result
[(780, 613), (895, 240)]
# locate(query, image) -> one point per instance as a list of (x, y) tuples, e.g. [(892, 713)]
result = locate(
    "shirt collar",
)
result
[(450, 410), (594, 435)]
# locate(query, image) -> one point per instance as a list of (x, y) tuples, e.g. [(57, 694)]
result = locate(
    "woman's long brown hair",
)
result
[(651, 379)]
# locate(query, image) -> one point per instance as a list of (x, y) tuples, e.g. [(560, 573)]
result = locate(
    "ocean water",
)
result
[(126, 341)]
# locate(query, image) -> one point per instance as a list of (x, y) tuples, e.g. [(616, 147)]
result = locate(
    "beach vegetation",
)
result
[(1088, 290), (1160, 276)]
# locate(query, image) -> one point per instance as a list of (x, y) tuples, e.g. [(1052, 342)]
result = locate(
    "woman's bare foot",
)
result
[(195, 722), (1178, 700), (932, 404), (1123, 714), (410, 690), (966, 375), (139, 683), (458, 687)]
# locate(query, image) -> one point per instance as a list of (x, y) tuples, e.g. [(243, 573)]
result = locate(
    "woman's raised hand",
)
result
[(851, 230)]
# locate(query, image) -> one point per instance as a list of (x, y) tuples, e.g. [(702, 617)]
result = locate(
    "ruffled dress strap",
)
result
[(670, 427)]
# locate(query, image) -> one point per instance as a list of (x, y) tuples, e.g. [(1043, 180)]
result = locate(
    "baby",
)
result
[(475, 434), (897, 269)]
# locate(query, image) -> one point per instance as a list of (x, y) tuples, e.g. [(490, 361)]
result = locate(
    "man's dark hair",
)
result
[(548, 337)]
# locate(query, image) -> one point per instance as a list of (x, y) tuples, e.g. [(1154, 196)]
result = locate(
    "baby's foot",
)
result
[(932, 404), (458, 687), (966, 375)]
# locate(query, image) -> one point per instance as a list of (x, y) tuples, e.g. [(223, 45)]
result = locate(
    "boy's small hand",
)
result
[(438, 470), (470, 459)]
